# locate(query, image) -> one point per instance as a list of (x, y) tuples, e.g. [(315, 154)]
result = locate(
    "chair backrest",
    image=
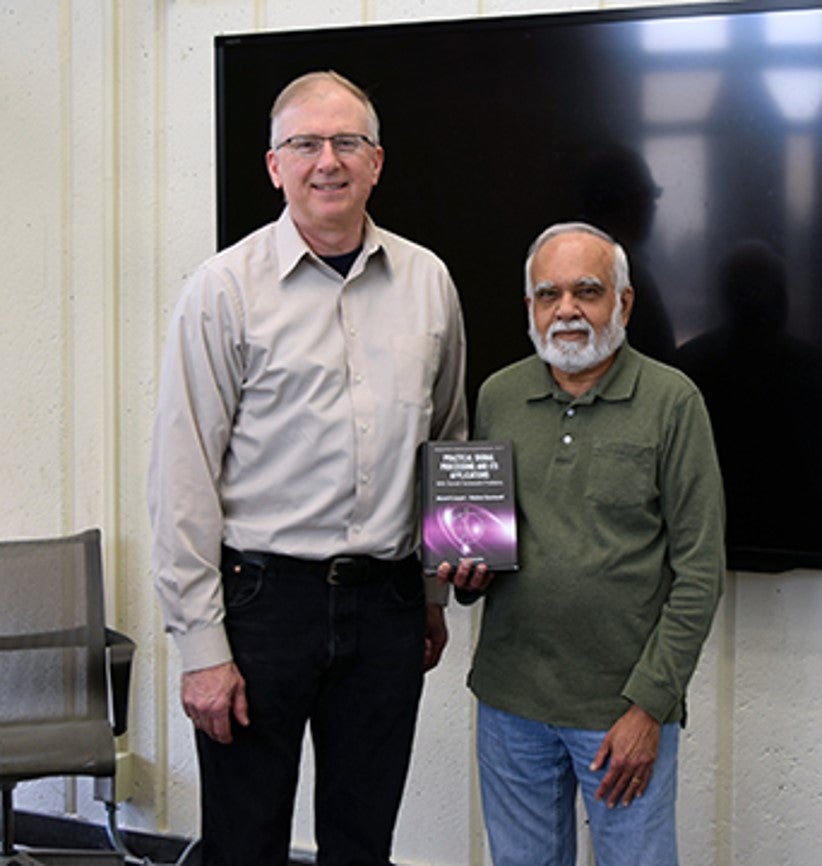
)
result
[(53, 694)]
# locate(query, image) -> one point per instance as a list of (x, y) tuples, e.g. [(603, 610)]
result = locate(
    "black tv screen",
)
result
[(693, 134)]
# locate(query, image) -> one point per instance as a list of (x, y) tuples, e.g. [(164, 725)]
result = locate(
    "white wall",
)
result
[(106, 185)]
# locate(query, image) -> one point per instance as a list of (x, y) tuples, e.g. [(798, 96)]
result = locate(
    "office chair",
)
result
[(54, 688)]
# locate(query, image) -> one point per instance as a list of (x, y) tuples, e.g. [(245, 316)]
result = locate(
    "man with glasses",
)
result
[(303, 367), (585, 653)]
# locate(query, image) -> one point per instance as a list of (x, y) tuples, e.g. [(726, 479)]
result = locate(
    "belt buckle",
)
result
[(332, 577)]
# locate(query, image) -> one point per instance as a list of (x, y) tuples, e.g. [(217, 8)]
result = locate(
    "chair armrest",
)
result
[(120, 650)]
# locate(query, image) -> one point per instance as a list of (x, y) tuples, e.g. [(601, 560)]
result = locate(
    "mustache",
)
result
[(570, 325)]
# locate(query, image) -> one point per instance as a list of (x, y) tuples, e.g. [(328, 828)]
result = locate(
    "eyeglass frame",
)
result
[(320, 140)]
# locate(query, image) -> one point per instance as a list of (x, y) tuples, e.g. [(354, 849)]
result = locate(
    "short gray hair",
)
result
[(621, 274), (306, 83)]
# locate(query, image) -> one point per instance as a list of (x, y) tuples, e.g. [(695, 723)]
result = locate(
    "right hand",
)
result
[(468, 575), (211, 697)]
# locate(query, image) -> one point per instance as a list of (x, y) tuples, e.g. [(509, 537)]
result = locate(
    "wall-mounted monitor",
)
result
[(693, 134)]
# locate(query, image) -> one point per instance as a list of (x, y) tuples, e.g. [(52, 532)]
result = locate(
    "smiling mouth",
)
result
[(329, 187)]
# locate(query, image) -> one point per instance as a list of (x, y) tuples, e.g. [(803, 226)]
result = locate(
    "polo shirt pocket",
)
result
[(622, 474), (416, 358)]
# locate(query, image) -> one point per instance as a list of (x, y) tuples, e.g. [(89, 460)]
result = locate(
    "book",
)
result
[(467, 504)]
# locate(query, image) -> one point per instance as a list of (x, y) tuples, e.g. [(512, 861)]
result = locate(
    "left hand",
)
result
[(436, 635), (630, 749)]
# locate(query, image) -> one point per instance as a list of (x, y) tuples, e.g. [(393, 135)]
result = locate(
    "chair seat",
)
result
[(36, 749)]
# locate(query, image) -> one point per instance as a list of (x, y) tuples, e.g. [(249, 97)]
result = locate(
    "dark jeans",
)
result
[(347, 660)]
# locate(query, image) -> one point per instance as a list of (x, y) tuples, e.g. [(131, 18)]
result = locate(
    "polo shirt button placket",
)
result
[(567, 438)]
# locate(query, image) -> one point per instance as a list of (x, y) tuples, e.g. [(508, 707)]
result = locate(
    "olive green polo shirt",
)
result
[(621, 525)]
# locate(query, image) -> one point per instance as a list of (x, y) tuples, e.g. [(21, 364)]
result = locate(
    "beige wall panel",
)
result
[(107, 191)]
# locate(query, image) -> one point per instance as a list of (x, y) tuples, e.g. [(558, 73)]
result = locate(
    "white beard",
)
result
[(572, 356)]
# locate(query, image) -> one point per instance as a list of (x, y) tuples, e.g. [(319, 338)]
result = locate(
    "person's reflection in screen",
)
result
[(763, 388), (619, 195)]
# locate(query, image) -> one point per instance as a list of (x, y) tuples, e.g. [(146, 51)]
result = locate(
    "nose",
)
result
[(327, 159), (567, 307)]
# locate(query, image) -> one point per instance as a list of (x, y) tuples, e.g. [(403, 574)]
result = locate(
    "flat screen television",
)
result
[(693, 134)]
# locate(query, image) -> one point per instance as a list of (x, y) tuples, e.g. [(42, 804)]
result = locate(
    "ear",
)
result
[(273, 166), (378, 160), (627, 303)]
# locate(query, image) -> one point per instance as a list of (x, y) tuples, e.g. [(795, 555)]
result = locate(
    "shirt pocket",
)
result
[(416, 358), (622, 474)]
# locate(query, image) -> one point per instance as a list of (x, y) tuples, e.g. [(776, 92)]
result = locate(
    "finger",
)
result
[(636, 785), (204, 725), (620, 790), (640, 781), (241, 706), (219, 728), (463, 573), (480, 578), (601, 756), (444, 570), (606, 788)]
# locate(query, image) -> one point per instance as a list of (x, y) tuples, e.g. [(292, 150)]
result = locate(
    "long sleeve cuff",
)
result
[(203, 648), (656, 700)]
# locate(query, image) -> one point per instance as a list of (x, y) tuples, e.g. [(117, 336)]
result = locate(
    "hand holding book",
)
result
[(470, 579)]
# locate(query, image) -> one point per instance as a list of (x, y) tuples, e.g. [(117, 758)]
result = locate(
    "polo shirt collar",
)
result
[(618, 383)]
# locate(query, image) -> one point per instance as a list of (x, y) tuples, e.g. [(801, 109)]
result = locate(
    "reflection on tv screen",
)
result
[(691, 134)]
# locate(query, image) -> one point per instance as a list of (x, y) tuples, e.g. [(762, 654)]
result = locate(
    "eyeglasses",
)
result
[(343, 143)]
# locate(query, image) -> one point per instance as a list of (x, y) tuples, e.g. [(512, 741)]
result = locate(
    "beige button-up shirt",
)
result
[(291, 404)]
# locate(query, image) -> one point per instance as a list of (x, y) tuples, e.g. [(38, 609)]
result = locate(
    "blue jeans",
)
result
[(345, 660), (529, 774)]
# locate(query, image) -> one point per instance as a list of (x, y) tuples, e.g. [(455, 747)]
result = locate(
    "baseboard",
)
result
[(50, 831)]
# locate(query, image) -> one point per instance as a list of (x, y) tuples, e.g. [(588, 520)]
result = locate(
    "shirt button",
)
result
[(365, 478), (357, 379), (352, 332), (571, 412), (357, 527), (567, 439), (364, 427)]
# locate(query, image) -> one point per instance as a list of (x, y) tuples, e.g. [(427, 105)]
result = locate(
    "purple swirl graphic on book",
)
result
[(469, 530)]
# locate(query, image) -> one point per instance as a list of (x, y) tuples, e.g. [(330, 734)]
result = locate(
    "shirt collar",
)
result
[(618, 383), (292, 248)]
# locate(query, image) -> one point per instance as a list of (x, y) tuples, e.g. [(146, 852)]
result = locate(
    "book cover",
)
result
[(467, 504)]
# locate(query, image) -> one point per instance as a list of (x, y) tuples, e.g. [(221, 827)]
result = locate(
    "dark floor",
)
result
[(41, 831)]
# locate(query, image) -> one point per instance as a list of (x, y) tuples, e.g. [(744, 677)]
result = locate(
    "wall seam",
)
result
[(64, 278), (65, 287), (161, 686), (111, 312), (726, 675)]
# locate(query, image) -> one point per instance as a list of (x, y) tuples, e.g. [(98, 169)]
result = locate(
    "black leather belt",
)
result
[(337, 570)]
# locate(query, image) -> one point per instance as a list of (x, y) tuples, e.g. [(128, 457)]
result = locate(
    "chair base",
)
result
[(52, 857)]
